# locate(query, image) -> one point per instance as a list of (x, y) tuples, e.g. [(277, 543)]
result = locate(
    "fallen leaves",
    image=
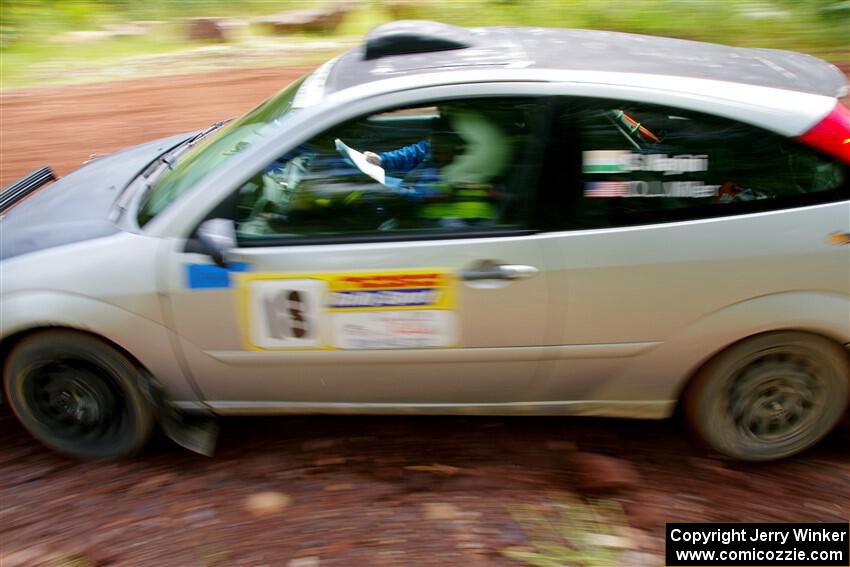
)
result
[(266, 503), (596, 473), (445, 512), (441, 512), (555, 445), (328, 461), (435, 468)]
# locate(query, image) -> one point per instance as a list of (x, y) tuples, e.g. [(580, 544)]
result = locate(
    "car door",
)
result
[(668, 217), (349, 285)]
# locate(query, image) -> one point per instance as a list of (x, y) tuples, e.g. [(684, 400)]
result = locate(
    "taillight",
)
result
[(832, 134)]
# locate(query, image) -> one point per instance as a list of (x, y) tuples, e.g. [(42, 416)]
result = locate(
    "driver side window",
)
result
[(447, 167)]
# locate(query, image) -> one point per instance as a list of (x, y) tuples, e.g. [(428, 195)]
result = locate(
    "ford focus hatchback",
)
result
[(444, 220)]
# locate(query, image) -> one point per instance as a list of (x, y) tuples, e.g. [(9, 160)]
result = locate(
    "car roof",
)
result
[(412, 47)]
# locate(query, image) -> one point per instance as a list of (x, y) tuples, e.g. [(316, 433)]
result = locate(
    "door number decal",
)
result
[(356, 311), (285, 313)]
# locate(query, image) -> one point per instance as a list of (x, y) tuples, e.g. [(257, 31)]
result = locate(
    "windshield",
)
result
[(195, 164)]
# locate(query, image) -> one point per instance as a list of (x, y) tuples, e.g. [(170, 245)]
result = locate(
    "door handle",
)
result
[(490, 270)]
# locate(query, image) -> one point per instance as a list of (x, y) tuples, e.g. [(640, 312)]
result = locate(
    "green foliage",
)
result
[(572, 533), (791, 25), (29, 29)]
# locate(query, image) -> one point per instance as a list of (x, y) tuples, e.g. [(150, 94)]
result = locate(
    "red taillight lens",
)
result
[(832, 134)]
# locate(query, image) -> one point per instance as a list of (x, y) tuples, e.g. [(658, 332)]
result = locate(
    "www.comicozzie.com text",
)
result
[(726, 536)]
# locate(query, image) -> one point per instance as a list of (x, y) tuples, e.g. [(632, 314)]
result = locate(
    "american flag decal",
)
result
[(606, 189)]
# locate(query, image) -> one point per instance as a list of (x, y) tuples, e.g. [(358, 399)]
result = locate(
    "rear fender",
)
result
[(663, 373)]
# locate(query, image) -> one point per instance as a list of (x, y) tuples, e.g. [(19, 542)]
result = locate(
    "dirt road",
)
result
[(302, 492), (389, 491), (63, 126)]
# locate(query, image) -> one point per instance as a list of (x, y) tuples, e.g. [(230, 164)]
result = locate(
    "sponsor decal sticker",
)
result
[(606, 189), (605, 161), (680, 189), (839, 238), (363, 310), (426, 328), (210, 276), (621, 161), (392, 290)]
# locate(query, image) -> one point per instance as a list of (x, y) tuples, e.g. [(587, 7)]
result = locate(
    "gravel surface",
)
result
[(388, 491)]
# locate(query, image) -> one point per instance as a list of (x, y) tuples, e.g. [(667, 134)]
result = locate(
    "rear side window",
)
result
[(615, 163)]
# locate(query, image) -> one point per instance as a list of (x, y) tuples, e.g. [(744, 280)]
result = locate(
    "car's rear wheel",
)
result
[(78, 395), (770, 396)]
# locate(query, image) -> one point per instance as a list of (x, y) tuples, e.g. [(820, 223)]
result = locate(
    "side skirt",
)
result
[(641, 409)]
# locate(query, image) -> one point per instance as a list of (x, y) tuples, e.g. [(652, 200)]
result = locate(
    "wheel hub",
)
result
[(774, 396), (73, 396), (78, 403)]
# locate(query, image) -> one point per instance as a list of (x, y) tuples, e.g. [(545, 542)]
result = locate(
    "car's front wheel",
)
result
[(770, 396), (78, 395)]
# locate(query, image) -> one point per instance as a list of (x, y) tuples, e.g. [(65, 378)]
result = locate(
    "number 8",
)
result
[(295, 304), (289, 305)]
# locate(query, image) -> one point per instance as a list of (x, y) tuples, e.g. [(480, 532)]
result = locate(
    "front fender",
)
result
[(146, 340), (662, 373)]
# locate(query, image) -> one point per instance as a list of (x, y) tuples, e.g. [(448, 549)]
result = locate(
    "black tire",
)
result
[(78, 395), (769, 396)]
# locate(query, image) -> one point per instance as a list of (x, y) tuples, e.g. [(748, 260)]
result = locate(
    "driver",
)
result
[(445, 203), (453, 171), (484, 156), (403, 159)]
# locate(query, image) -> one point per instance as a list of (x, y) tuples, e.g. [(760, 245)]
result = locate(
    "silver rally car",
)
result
[(446, 220)]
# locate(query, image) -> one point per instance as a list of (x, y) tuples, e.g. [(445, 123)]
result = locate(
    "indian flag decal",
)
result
[(604, 161)]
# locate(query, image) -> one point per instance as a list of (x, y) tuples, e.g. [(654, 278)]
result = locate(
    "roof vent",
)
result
[(414, 36)]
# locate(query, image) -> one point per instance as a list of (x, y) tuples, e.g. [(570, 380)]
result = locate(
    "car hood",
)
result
[(77, 206)]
